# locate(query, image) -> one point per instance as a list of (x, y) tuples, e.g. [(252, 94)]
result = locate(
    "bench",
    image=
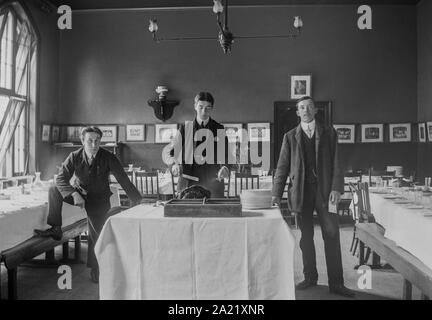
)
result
[(412, 269), (36, 246)]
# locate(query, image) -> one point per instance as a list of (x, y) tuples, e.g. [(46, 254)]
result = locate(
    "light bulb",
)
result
[(298, 23), (217, 7), (153, 27)]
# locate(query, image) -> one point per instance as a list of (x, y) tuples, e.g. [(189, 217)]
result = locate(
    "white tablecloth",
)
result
[(143, 255), (24, 213), (408, 228)]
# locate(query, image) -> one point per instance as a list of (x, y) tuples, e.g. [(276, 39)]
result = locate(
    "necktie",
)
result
[(309, 132), (91, 160)]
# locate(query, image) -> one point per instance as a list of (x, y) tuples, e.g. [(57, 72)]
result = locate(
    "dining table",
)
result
[(144, 255)]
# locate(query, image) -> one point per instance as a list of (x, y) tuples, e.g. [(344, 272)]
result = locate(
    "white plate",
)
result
[(391, 197), (402, 202), (414, 207)]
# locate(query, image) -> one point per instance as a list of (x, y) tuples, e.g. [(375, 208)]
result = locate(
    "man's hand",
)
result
[(223, 173), (276, 201), (335, 197), (175, 169), (78, 200)]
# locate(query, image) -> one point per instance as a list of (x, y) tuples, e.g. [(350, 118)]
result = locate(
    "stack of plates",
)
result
[(256, 199)]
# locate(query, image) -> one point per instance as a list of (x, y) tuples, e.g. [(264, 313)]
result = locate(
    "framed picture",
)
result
[(422, 132), (164, 133), (55, 134), (345, 132), (73, 133), (259, 131), (135, 132), (301, 86), (372, 133), (46, 130), (429, 130), (400, 132), (109, 133), (234, 131)]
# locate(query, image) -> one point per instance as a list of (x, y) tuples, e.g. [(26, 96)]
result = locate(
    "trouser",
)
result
[(97, 214), (330, 233)]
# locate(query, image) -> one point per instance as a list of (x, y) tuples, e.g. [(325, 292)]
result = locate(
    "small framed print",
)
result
[(135, 132), (259, 131), (400, 132), (46, 132), (234, 131), (345, 133), (73, 133), (301, 86), (372, 133), (109, 133), (55, 134), (165, 133), (422, 132), (429, 130)]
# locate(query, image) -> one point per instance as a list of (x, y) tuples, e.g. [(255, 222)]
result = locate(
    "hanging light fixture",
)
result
[(225, 36)]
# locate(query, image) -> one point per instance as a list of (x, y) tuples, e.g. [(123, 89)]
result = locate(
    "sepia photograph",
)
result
[(115, 186)]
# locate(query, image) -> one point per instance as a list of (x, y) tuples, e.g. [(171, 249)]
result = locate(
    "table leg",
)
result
[(12, 284), (407, 290)]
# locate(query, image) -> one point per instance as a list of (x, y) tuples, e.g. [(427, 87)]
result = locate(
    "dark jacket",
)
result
[(94, 179), (291, 164), (206, 172)]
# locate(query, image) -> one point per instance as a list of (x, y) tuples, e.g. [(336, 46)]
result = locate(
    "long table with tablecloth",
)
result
[(408, 227), (23, 213), (144, 255)]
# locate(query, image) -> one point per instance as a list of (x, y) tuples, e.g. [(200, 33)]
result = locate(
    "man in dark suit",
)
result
[(200, 168), (90, 167), (309, 158)]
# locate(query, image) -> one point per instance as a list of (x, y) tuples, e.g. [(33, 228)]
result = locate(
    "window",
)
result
[(17, 49)]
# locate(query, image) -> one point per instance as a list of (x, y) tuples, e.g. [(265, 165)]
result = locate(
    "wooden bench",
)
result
[(36, 246), (412, 269)]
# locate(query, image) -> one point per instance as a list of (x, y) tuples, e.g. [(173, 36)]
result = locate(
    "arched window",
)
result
[(17, 52)]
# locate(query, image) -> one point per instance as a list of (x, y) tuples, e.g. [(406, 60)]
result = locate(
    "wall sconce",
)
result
[(163, 108), (225, 36)]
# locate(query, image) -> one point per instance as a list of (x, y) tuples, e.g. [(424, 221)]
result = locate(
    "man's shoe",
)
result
[(342, 291), (305, 284), (55, 232), (94, 275)]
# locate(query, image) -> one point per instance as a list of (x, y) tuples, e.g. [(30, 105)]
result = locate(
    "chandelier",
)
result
[(225, 36)]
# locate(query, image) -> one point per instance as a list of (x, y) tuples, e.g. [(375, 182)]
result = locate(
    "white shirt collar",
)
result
[(308, 125), (203, 121)]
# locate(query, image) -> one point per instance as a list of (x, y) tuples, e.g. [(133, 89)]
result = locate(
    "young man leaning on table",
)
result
[(91, 167), (309, 157)]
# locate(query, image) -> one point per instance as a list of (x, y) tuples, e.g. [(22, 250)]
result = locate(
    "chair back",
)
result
[(174, 182), (245, 181), (227, 184), (364, 208), (353, 177), (147, 184)]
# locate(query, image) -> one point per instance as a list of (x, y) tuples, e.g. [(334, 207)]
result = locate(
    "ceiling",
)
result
[(124, 4)]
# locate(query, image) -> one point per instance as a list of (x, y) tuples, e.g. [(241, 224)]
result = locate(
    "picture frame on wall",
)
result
[(422, 132), (165, 133), (372, 133), (259, 131), (55, 133), (73, 133), (135, 132), (345, 132), (301, 85), (46, 132), (234, 131), (109, 133), (400, 132), (429, 130)]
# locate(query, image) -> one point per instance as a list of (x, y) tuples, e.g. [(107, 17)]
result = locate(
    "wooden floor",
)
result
[(36, 283)]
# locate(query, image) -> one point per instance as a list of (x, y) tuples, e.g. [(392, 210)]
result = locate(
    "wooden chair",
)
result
[(174, 183), (147, 184), (245, 181), (227, 185)]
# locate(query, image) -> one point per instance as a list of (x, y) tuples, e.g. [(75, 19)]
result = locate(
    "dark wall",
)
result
[(109, 68), (424, 23)]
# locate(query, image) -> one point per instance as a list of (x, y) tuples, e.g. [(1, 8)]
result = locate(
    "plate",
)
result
[(414, 207), (402, 201), (391, 197)]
